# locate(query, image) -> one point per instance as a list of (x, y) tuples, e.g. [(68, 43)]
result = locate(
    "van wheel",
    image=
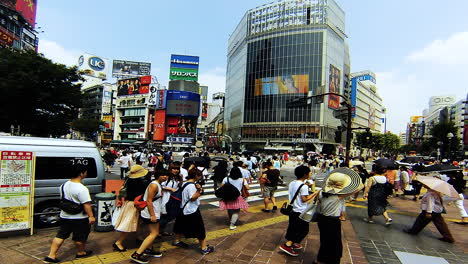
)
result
[(48, 214)]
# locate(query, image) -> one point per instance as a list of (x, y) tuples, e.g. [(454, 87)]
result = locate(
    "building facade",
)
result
[(280, 52), (17, 25)]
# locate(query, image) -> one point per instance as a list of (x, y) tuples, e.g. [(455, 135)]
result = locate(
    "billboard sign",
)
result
[(182, 103), (130, 68), (181, 125), (93, 66), (353, 96), (159, 125), (133, 86), (286, 84), (27, 8), (153, 94), (204, 113), (5, 37), (184, 67), (161, 99), (334, 81)]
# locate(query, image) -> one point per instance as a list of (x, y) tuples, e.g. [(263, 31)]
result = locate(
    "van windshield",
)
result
[(48, 168)]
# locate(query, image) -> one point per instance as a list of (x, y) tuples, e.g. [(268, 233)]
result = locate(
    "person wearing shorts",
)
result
[(271, 176), (77, 224)]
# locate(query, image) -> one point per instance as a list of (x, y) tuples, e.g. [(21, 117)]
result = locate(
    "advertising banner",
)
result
[(132, 86), (153, 94), (181, 125), (334, 80), (184, 61), (161, 99), (27, 8), (121, 68), (6, 37), (159, 125), (184, 74), (16, 190), (93, 66), (353, 96), (204, 113), (287, 84)]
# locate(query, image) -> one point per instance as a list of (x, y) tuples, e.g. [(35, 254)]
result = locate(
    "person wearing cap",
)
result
[(340, 184), (127, 222)]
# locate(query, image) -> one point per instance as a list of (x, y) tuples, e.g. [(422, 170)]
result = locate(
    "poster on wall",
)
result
[(159, 125), (286, 84), (132, 86), (204, 112), (334, 80), (16, 190)]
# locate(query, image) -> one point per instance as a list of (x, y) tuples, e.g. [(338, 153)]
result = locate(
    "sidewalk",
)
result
[(256, 240)]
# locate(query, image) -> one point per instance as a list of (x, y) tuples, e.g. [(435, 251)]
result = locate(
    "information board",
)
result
[(16, 190)]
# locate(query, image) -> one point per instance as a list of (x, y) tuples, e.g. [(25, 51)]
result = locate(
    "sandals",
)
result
[(116, 248), (87, 254)]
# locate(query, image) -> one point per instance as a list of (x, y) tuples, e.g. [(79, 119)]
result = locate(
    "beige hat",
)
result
[(137, 171), (342, 181)]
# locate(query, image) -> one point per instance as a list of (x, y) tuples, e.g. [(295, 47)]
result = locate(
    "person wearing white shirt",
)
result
[(125, 162), (298, 228), (190, 223), (233, 207)]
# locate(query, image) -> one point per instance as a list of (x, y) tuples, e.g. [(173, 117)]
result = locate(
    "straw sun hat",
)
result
[(137, 171), (342, 181)]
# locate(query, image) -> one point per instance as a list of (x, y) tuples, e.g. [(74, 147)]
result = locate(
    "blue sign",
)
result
[(182, 95), (184, 61), (96, 63), (366, 77), (353, 96)]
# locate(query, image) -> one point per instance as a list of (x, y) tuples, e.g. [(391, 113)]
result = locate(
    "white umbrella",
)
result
[(353, 163), (438, 185)]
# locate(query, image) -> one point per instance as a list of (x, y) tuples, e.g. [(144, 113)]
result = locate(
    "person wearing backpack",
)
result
[(150, 216), (377, 190), (169, 186), (79, 223), (298, 228), (190, 223), (127, 221), (233, 207)]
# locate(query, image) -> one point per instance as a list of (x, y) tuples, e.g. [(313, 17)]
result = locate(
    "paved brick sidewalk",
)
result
[(256, 240)]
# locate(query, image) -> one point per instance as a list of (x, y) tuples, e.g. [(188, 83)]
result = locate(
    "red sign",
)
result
[(145, 79), (16, 155), (159, 125), (5, 37), (27, 8)]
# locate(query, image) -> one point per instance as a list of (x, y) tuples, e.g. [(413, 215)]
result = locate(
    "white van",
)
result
[(54, 162)]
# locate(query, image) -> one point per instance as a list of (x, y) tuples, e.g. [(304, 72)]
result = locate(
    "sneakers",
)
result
[(389, 222), (296, 246), (180, 244), (275, 208), (232, 227), (289, 250), (51, 260), (207, 250), (367, 220), (150, 252), (138, 258)]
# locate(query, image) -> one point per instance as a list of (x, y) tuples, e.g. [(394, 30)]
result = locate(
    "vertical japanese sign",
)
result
[(16, 190)]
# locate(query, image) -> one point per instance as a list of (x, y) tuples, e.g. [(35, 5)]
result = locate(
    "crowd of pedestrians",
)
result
[(161, 197)]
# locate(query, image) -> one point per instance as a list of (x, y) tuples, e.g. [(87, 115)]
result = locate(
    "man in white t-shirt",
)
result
[(297, 228), (80, 223), (125, 162)]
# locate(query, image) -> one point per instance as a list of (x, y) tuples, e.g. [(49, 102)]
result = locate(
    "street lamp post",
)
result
[(449, 136)]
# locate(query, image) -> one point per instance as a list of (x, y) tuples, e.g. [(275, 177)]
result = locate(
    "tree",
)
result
[(38, 95), (86, 126), (439, 133), (388, 142)]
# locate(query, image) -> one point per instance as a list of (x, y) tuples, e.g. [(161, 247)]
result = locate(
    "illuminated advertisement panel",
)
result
[(184, 67), (287, 84), (182, 103), (181, 125), (159, 125), (132, 86), (334, 80)]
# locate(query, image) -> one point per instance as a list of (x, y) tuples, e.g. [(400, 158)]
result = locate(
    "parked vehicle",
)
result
[(54, 162)]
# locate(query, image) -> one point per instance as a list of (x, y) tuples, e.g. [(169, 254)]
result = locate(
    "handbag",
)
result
[(244, 192), (286, 209), (115, 215), (141, 204), (227, 192), (68, 206), (310, 214)]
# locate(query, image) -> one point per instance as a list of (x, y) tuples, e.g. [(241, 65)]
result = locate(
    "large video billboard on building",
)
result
[(130, 68), (287, 84), (133, 86), (184, 67), (93, 66), (334, 81), (182, 103)]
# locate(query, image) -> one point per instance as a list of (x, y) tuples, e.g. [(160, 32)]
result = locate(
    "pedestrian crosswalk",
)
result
[(210, 198)]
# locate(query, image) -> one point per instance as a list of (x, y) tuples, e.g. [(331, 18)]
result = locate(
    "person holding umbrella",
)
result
[(432, 207)]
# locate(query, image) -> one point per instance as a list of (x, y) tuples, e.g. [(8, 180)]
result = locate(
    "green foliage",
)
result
[(86, 126), (389, 143), (37, 94), (439, 134)]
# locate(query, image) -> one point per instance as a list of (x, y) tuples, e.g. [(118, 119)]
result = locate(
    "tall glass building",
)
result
[(280, 52)]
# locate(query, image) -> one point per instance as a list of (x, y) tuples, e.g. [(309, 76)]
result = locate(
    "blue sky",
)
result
[(417, 48)]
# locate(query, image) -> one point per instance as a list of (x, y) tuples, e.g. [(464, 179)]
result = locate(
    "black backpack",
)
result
[(173, 206), (227, 192)]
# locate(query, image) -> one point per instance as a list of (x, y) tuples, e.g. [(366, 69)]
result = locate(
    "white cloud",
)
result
[(57, 53), (451, 51), (215, 79)]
